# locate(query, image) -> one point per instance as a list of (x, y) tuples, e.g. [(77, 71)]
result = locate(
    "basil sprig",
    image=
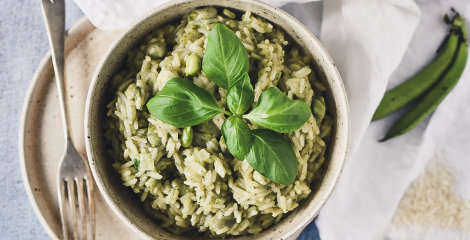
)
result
[(241, 96), (181, 103), (279, 113), (225, 59), (268, 156), (238, 137)]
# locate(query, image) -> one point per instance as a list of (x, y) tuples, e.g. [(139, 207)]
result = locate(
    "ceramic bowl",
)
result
[(126, 205)]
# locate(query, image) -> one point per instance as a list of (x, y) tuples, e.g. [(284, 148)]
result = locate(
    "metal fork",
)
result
[(74, 183)]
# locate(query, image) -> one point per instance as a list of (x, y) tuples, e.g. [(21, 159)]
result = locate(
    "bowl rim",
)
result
[(338, 93)]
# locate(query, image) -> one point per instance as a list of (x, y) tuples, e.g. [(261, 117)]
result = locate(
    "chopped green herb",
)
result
[(136, 163)]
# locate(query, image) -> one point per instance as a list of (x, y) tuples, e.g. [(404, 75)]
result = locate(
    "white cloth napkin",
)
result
[(112, 14), (370, 41), (376, 44)]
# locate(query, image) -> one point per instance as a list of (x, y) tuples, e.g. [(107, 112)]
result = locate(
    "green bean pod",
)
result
[(435, 96), (414, 87)]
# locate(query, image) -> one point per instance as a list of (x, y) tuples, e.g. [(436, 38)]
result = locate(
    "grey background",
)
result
[(23, 44)]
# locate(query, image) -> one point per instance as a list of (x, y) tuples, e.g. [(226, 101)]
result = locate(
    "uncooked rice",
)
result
[(432, 200), (202, 188)]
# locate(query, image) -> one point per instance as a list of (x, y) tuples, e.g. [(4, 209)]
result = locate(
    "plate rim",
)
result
[(25, 110)]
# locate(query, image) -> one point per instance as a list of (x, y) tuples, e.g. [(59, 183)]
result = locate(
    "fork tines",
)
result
[(77, 208)]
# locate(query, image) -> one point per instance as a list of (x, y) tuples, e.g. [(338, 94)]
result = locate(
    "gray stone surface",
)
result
[(24, 43)]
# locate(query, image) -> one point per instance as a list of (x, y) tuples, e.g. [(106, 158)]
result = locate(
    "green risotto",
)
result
[(185, 177)]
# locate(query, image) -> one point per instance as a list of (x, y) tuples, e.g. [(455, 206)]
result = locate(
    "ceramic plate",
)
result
[(41, 141)]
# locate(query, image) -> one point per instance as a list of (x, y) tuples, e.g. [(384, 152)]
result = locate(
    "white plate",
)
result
[(41, 140)]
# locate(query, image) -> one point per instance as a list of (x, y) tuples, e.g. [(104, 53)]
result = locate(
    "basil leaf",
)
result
[(272, 156), (279, 113), (182, 103), (237, 136), (241, 96), (225, 59)]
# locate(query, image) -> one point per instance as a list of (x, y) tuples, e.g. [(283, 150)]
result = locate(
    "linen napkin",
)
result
[(376, 44), (374, 36), (113, 15)]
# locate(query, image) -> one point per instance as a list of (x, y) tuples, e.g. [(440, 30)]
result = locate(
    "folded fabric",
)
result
[(370, 41), (112, 15)]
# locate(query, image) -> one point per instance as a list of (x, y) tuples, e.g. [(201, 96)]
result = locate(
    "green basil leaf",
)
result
[(237, 136), (272, 156), (225, 59), (279, 113), (182, 103), (241, 96)]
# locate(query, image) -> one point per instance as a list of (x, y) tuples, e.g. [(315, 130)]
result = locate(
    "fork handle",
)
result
[(54, 16)]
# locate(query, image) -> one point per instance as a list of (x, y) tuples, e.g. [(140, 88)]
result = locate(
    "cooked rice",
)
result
[(203, 188)]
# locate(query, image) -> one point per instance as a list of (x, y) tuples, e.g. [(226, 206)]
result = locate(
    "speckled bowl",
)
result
[(126, 205)]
